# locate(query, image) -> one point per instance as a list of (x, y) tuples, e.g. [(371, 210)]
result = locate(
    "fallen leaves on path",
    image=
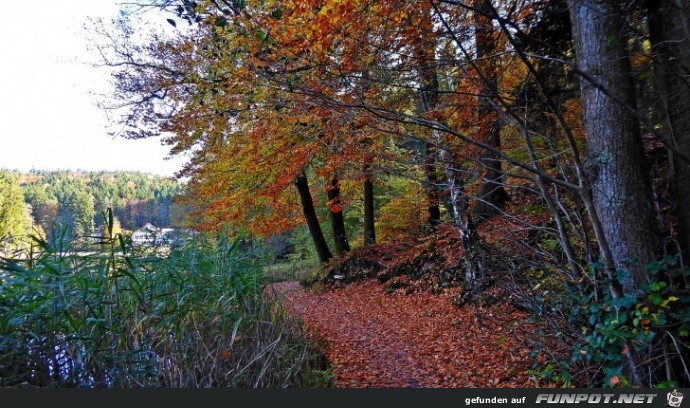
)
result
[(379, 339)]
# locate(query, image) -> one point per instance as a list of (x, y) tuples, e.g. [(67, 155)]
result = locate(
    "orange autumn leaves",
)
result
[(323, 86), (291, 72), (376, 339)]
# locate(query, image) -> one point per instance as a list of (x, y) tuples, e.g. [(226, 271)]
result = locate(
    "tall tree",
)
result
[(432, 185), (621, 189), (491, 196), (369, 218), (15, 219), (335, 207), (669, 31), (320, 244), (425, 55), (77, 210), (473, 248)]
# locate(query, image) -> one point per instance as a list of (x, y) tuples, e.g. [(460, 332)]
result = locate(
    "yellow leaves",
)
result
[(402, 215), (278, 132), (332, 17), (668, 300), (331, 7), (324, 11), (513, 73)]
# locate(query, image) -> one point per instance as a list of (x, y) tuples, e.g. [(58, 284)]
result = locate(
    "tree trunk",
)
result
[(492, 196), (369, 228), (424, 51), (335, 207), (320, 244), (472, 246), (670, 37), (615, 162), (432, 192), (474, 251), (428, 101)]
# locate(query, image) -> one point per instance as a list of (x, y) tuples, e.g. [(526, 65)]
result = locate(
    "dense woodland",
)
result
[(46, 202), (552, 135), (535, 152)]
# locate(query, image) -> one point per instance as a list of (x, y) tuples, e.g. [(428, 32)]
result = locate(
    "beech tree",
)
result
[(320, 244), (264, 93), (491, 196), (335, 206)]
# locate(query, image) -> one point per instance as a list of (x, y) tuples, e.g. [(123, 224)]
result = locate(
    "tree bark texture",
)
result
[(425, 53), (614, 162), (317, 237), (433, 197), (335, 207), (492, 196), (669, 29), (474, 252), (369, 225)]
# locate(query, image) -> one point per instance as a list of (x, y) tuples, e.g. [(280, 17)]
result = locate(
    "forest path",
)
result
[(377, 339)]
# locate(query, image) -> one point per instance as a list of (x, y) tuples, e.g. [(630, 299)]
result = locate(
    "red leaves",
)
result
[(614, 380), (375, 339)]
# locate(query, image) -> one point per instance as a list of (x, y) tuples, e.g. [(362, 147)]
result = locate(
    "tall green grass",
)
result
[(108, 314)]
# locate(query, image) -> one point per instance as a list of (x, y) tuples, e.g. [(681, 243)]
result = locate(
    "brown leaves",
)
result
[(376, 339)]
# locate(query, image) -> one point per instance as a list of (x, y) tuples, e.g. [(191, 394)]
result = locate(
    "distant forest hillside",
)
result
[(78, 198)]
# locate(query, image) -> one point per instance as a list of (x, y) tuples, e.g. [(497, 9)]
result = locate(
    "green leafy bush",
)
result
[(651, 324)]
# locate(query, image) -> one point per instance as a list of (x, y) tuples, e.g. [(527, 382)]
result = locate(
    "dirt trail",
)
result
[(379, 339)]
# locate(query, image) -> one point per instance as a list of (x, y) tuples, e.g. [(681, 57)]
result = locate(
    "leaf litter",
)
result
[(376, 337)]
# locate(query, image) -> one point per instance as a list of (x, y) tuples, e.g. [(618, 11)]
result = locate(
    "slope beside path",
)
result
[(379, 338)]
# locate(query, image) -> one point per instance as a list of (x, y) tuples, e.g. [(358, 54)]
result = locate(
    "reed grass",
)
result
[(109, 314)]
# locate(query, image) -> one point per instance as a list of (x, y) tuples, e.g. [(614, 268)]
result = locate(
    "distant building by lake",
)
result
[(149, 234)]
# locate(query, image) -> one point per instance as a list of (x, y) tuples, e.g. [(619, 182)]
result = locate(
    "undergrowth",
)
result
[(110, 314)]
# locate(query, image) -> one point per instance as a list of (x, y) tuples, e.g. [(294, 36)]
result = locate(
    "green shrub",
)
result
[(649, 325)]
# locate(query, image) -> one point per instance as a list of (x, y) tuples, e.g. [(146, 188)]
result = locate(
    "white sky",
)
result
[(48, 115)]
